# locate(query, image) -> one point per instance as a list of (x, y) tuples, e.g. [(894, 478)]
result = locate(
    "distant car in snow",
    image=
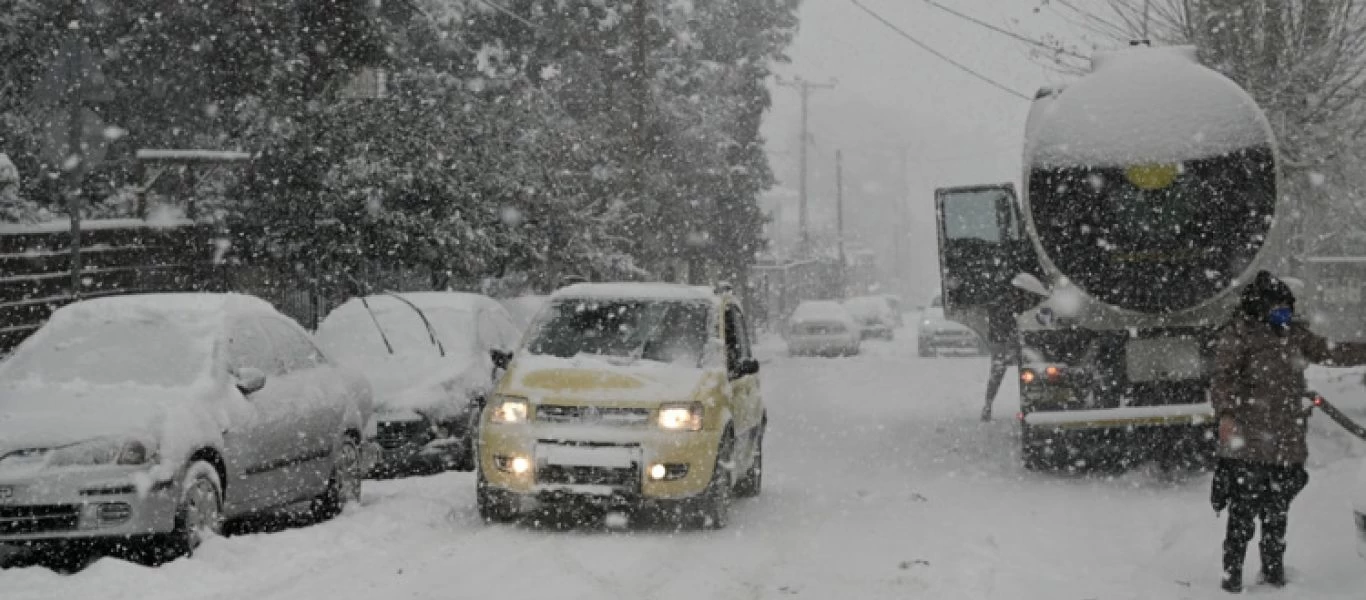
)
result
[(523, 309), (145, 421), (937, 335), (427, 356), (874, 314), (822, 327)]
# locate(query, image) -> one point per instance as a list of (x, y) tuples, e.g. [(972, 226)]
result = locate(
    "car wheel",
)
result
[(343, 485), (494, 505), (713, 507), (752, 483), (198, 516)]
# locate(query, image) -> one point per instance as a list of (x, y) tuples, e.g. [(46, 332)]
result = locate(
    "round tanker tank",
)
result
[(1151, 182)]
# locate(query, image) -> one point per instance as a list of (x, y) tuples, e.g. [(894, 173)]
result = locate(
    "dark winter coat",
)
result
[(1259, 381)]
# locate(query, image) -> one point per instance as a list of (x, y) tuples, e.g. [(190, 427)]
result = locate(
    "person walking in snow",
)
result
[(1258, 394)]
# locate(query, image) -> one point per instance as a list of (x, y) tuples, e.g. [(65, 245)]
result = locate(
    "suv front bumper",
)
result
[(606, 463)]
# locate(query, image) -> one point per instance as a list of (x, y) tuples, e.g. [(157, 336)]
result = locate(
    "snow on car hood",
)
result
[(170, 420), (589, 378), (433, 386)]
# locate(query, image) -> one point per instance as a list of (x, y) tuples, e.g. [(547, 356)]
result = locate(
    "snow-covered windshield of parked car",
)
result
[(355, 334), (668, 331), (153, 349)]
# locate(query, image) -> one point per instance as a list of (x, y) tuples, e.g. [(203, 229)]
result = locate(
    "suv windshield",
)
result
[(662, 330)]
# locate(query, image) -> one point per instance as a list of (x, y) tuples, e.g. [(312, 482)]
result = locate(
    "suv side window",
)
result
[(296, 352), (737, 339), (248, 347)]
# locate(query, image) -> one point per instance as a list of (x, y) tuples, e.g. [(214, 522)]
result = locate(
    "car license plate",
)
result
[(612, 457), (1164, 359)]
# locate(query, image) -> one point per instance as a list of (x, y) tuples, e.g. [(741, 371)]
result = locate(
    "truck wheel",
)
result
[(494, 505), (713, 507), (1033, 454), (752, 483)]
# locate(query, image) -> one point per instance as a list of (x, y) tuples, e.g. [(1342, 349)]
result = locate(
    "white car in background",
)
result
[(874, 314), (822, 327), (143, 422), (937, 335), (427, 355)]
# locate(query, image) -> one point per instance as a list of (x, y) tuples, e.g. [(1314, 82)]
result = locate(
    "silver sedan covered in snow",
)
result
[(148, 420)]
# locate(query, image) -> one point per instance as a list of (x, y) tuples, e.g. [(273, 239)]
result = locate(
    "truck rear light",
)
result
[(1052, 373), (1028, 376)]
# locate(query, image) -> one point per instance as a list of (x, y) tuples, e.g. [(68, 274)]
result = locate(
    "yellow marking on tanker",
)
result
[(1151, 177), (1123, 422)]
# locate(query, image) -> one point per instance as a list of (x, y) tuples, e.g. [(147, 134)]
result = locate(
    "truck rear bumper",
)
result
[(1122, 418)]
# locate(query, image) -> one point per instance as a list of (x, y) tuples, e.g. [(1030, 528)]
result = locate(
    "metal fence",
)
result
[(43, 267)]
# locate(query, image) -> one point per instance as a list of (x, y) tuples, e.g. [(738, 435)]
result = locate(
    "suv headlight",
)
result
[(681, 417), (510, 409), (100, 452)]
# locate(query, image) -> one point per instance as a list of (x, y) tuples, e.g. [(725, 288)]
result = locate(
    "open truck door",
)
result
[(982, 247)]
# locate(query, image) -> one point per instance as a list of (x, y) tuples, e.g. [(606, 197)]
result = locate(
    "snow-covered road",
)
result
[(881, 483)]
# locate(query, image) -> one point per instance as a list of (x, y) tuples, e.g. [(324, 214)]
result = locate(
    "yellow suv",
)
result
[(623, 396)]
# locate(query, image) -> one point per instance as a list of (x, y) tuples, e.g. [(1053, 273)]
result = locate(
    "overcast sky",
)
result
[(891, 93)]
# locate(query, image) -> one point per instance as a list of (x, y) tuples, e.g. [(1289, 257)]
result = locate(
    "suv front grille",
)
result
[(571, 475), (592, 415), (38, 518)]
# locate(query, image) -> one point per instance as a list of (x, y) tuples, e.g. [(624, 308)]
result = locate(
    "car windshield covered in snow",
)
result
[(169, 352), (672, 331), (359, 334)]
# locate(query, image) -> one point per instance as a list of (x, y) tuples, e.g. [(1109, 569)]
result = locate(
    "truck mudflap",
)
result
[(1122, 418)]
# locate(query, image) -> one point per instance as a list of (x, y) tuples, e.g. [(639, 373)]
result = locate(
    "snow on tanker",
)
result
[(1150, 198)]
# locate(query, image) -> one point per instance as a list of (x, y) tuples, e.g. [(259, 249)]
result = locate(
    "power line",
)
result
[(940, 55), (505, 10), (1005, 32)]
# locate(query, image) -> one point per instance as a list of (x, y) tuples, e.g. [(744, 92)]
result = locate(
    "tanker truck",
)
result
[(1149, 200)]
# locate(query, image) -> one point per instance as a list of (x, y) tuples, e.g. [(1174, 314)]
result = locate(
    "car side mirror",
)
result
[(250, 380), (501, 358)]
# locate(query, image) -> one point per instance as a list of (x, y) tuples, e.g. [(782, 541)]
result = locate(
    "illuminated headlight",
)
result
[(510, 409), (681, 417), (100, 452)]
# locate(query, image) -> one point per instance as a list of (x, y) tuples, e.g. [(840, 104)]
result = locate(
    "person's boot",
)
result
[(1233, 573), (1273, 576), (986, 413), (1232, 582)]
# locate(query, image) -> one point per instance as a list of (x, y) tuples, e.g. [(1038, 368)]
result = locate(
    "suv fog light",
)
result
[(517, 465), (668, 472)]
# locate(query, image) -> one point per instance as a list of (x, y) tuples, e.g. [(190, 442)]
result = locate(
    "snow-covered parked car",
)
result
[(822, 327), (874, 314), (523, 309), (938, 335), (627, 395), (427, 355), (145, 421)]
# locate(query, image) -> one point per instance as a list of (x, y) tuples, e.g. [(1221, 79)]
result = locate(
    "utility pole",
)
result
[(1147, 5), (75, 57), (839, 204), (804, 88)]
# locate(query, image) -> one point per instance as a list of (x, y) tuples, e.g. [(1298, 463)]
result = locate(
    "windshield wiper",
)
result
[(428, 324), (387, 345)]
